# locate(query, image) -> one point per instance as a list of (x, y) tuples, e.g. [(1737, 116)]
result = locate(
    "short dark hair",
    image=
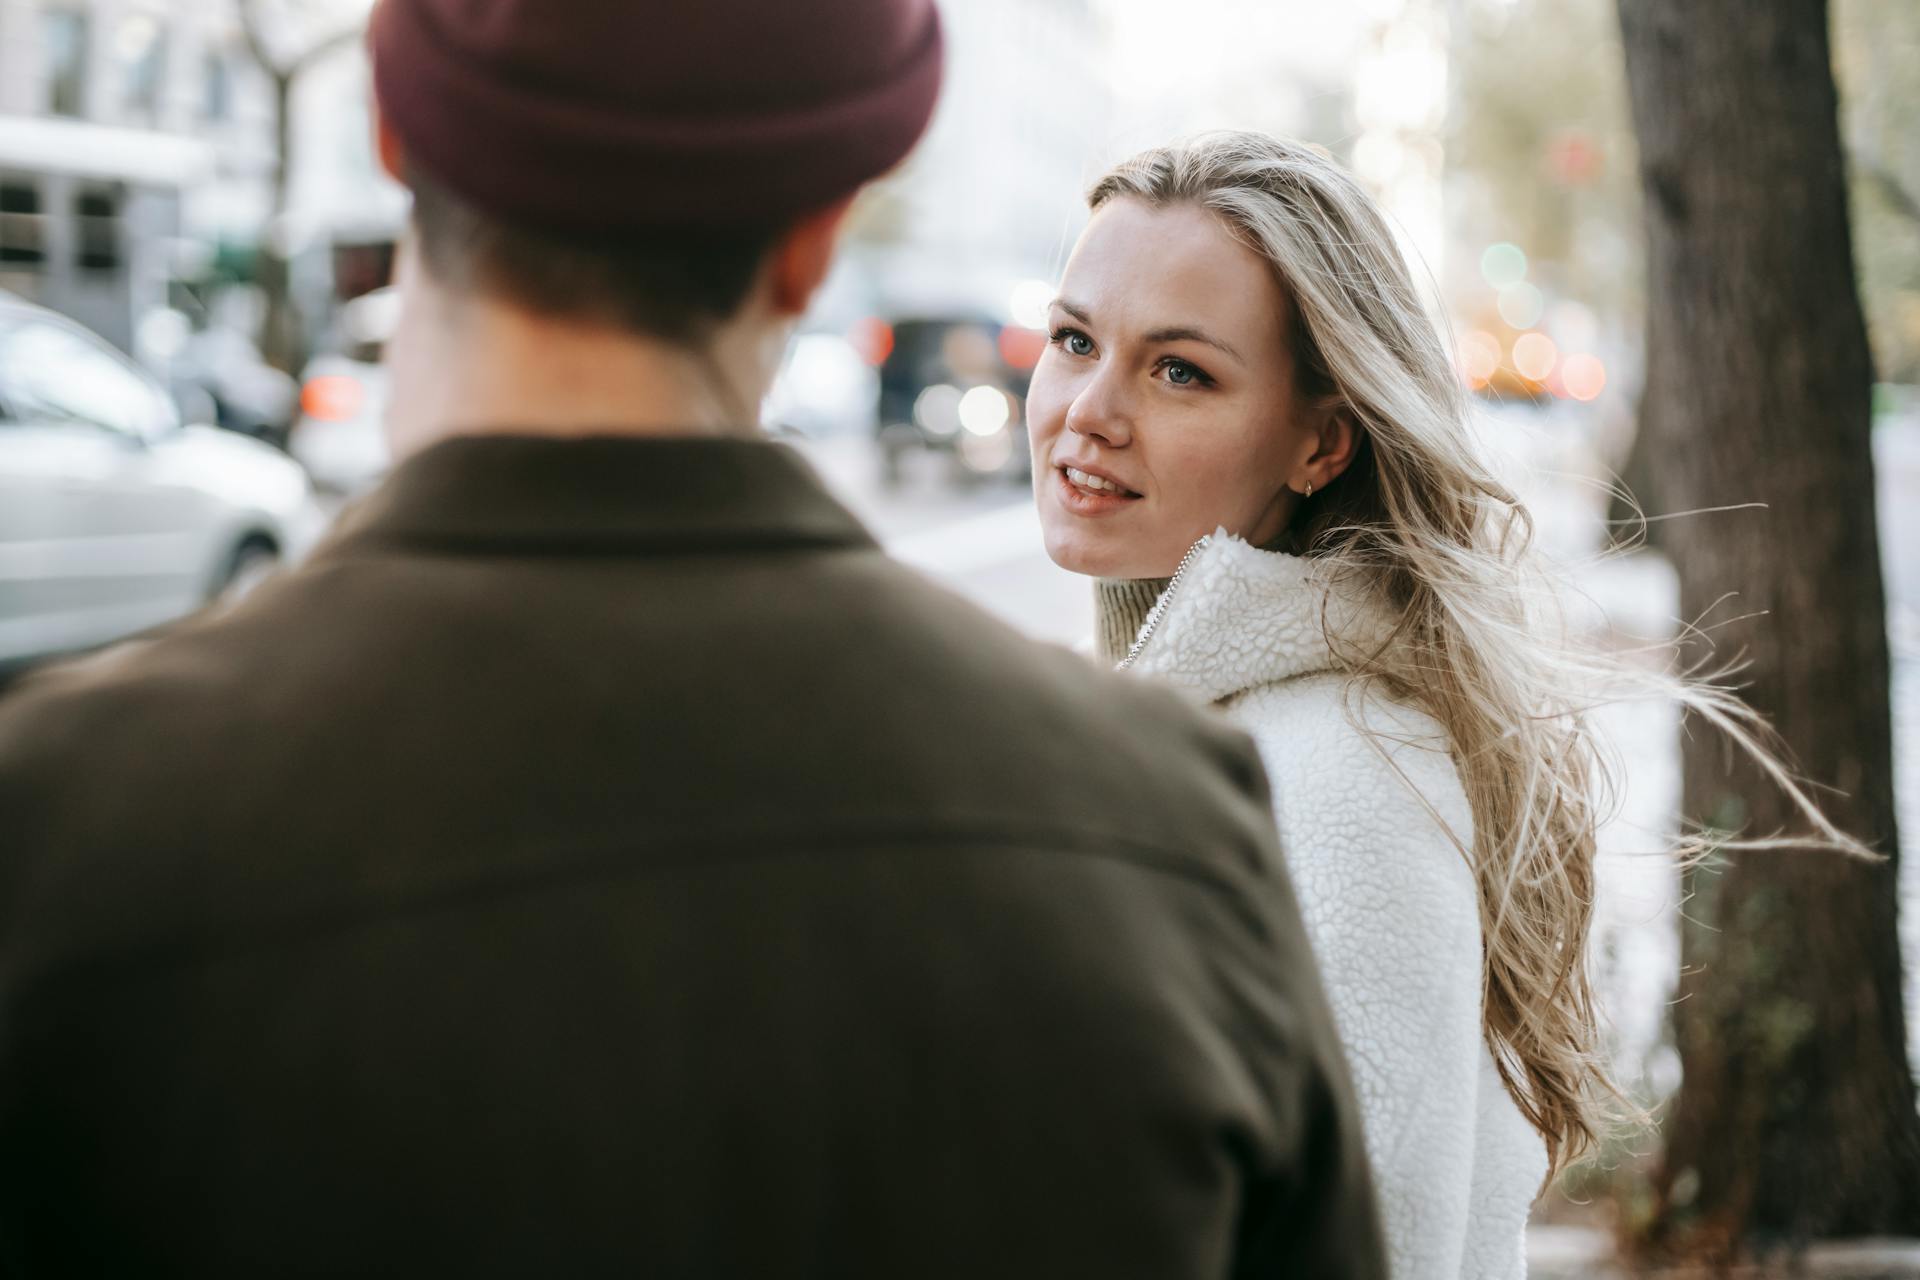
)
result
[(675, 287)]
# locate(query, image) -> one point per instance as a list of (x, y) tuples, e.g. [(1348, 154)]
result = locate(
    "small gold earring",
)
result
[(1309, 492)]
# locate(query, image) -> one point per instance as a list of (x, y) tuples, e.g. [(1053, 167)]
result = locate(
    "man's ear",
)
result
[(386, 146), (802, 257)]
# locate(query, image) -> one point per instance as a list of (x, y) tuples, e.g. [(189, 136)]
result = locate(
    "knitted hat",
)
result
[(608, 116)]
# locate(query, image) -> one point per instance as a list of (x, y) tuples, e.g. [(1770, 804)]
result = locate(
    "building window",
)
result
[(140, 49), (218, 102), (96, 219), (22, 225), (63, 38)]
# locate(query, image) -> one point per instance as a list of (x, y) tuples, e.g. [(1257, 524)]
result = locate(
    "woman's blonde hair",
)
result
[(1419, 520)]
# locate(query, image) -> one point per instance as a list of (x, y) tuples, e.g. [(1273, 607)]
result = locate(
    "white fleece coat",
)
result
[(1389, 901)]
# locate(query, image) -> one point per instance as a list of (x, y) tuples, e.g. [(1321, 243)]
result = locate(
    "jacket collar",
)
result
[(531, 493), (1238, 617)]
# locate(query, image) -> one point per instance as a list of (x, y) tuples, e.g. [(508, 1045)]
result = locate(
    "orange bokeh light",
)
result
[(1584, 376), (873, 339), (1479, 358), (1534, 356), (332, 398), (1021, 348)]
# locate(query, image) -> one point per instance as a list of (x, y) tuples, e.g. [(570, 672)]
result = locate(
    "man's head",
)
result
[(676, 288), (672, 171)]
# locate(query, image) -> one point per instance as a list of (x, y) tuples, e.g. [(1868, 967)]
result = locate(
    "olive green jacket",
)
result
[(600, 859)]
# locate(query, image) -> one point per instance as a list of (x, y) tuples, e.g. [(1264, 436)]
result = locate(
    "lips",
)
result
[(1093, 481), (1084, 493), (1087, 480)]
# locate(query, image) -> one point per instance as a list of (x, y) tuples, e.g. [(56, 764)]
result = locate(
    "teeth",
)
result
[(1086, 481)]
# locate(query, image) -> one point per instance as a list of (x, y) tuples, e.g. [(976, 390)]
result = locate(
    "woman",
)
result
[(1242, 391)]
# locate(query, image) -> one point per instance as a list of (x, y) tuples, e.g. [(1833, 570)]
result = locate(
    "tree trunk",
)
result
[(281, 339), (1796, 1118), (282, 335)]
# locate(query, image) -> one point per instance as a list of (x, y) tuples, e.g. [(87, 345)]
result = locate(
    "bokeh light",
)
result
[(1021, 347), (1574, 159), (332, 397), (872, 337), (1584, 376), (937, 409), (1503, 264), (1534, 355), (1521, 305), (1479, 358), (984, 410)]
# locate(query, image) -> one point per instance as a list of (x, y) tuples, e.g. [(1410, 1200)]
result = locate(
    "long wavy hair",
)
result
[(1420, 522)]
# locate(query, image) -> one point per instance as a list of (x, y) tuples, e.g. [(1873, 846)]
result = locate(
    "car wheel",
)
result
[(253, 563)]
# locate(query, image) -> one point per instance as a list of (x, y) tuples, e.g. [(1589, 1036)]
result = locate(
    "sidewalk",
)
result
[(1585, 1253)]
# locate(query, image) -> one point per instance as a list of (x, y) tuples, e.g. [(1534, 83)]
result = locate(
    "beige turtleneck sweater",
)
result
[(1120, 608)]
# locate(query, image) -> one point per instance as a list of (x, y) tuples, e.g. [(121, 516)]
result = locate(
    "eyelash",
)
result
[(1059, 337), (1200, 376)]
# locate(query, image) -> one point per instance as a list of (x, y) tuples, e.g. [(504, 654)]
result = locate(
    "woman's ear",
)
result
[(1335, 441)]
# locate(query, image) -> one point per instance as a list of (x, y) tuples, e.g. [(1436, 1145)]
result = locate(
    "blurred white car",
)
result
[(340, 436), (114, 517)]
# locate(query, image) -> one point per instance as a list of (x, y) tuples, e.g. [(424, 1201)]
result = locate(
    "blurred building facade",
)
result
[(138, 149), (129, 129)]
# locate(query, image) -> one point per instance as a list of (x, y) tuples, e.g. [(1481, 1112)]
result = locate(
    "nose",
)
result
[(1098, 414)]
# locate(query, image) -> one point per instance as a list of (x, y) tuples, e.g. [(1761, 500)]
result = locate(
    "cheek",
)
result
[(1224, 476), (1048, 398)]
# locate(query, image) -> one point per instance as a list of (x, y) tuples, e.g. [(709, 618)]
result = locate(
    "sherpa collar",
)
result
[(1238, 617)]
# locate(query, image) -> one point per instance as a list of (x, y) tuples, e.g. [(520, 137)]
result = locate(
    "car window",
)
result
[(50, 372)]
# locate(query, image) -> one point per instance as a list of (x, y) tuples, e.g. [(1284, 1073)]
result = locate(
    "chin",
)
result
[(1076, 551), (1070, 558)]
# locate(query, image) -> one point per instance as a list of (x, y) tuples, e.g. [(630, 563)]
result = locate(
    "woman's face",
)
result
[(1169, 375)]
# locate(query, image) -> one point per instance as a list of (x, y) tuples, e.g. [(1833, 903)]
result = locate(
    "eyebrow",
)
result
[(1187, 333), (1174, 333)]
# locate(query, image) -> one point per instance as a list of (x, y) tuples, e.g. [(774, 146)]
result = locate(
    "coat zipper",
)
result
[(1160, 606)]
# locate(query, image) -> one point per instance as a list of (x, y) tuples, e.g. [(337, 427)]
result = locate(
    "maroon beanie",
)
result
[(607, 116)]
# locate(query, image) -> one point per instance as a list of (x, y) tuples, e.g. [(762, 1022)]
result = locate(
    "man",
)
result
[(600, 859)]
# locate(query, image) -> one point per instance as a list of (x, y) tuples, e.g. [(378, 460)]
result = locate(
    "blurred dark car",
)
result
[(955, 385), (220, 377)]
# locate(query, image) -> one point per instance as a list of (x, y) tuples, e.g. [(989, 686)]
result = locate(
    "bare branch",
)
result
[(333, 43), (257, 45)]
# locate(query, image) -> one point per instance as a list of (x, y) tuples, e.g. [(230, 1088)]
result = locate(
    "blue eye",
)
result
[(1073, 342), (1182, 374)]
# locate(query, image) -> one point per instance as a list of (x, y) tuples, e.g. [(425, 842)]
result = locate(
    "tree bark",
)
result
[(1796, 1118)]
